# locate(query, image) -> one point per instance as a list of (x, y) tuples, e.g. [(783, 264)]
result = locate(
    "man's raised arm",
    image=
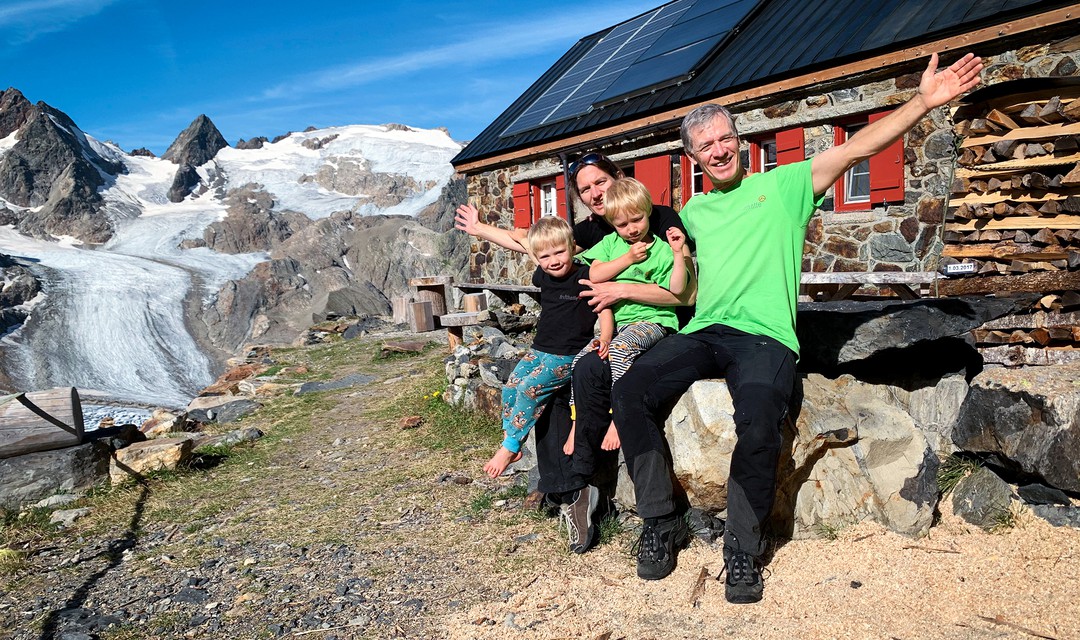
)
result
[(935, 89)]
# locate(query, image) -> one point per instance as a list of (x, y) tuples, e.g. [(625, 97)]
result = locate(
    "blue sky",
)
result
[(138, 71)]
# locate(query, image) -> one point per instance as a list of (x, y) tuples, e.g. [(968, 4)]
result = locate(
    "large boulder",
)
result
[(1027, 420), (151, 455), (832, 334), (854, 453), (30, 477)]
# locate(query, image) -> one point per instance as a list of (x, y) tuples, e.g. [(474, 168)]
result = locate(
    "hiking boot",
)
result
[(657, 545), (743, 584), (578, 516)]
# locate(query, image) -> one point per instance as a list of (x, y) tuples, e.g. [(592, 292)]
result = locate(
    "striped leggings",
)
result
[(629, 342)]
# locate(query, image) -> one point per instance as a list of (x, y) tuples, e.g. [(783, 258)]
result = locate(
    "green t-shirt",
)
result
[(655, 269), (749, 251)]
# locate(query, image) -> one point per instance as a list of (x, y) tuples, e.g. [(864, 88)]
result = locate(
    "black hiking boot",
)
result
[(743, 584), (657, 546)]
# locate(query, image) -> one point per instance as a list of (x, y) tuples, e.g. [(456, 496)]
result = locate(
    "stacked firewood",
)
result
[(1014, 217), (1015, 206)]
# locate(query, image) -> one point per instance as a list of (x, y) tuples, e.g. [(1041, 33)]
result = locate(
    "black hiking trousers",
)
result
[(760, 374)]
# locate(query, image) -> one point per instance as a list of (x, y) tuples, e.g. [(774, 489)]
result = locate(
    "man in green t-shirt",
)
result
[(749, 232)]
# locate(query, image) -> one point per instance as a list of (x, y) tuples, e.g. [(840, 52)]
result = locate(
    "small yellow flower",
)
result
[(435, 394)]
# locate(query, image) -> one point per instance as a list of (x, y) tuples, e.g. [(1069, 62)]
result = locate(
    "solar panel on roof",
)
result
[(679, 51), (656, 48), (575, 92)]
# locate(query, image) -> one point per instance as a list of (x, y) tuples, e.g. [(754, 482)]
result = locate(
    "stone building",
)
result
[(799, 77)]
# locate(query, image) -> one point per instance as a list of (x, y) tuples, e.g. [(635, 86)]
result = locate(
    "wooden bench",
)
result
[(508, 293), (907, 285)]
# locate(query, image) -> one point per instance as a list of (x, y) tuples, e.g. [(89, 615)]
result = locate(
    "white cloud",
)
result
[(495, 43), (25, 21)]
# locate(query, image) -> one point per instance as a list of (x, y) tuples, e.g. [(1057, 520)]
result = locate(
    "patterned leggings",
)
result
[(631, 341), (525, 395)]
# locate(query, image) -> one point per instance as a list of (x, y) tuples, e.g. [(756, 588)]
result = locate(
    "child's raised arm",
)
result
[(681, 282), (604, 271), (468, 220)]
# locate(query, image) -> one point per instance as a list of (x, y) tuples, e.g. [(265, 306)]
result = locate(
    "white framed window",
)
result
[(767, 155), (698, 182), (548, 199), (856, 180)]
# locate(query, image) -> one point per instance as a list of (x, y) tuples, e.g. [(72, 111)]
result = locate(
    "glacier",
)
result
[(114, 321)]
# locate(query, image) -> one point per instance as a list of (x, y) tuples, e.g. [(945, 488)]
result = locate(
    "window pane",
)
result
[(768, 155), (547, 199), (857, 183)]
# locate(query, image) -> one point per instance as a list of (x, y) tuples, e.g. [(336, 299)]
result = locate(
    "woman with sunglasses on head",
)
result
[(590, 177)]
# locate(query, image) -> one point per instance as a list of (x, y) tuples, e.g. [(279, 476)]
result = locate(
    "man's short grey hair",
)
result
[(701, 117)]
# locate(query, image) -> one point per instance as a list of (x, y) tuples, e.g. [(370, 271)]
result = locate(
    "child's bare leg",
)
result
[(500, 461), (611, 438), (568, 446)]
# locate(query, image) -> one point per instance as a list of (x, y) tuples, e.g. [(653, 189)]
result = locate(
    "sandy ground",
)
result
[(959, 582)]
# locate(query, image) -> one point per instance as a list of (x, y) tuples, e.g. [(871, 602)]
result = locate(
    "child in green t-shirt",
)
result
[(632, 254)]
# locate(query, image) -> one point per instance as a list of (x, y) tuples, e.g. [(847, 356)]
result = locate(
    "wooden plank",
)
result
[(1017, 355), (871, 277), (1025, 133), (1041, 282), (1025, 222), (1037, 320), (1017, 165), (1014, 196), (1001, 252), (41, 421)]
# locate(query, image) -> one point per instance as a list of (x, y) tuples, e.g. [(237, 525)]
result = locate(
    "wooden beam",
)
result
[(1017, 165), (1001, 253), (1040, 282), (1016, 355), (1025, 133), (671, 117), (1019, 196), (1024, 222)]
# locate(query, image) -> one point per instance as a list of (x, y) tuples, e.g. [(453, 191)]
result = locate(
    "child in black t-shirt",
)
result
[(565, 326)]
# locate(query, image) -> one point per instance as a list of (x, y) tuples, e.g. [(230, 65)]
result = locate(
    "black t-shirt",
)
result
[(566, 321), (592, 229)]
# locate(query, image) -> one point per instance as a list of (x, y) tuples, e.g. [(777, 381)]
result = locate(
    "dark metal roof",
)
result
[(782, 38)]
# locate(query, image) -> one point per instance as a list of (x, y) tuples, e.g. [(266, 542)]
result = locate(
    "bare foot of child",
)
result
[(500, 461), (611, 439), (568, 446)]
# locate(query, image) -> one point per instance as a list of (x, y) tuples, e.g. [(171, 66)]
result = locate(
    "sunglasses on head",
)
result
[(586, 160)]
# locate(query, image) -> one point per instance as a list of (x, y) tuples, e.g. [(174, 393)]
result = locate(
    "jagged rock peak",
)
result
[(14, 111), (197, 144)]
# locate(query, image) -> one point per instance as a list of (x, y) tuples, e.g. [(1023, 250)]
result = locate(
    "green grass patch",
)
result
[(610, 528), (954, 469)]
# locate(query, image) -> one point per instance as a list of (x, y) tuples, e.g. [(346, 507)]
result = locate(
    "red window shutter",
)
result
[(790, 146), (560, 197), (522, 205), (687, 173), (887, 170), (655, 174)]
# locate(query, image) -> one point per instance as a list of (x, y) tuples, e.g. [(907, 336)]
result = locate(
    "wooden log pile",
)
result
[(1014, 217), (1015, 206)]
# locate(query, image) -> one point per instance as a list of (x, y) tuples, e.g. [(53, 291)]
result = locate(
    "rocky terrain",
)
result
[(363, 513)]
